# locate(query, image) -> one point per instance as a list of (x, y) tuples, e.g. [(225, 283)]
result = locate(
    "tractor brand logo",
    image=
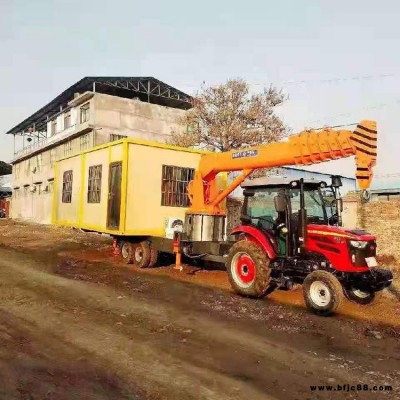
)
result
[(246, 153)]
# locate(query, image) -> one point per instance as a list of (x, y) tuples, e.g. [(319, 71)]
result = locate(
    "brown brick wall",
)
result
[(382, 218)]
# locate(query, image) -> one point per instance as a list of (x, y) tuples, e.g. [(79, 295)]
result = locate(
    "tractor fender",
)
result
[(256, 236)]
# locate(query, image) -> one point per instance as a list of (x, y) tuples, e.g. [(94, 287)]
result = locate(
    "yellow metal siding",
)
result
[(95, 214), (141, 210), (144, 210), (68, 211)]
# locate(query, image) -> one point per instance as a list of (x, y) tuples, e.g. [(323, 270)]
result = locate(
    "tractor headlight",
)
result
[(358, 244)]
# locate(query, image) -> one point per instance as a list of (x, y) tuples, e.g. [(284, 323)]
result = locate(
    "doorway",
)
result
[(114, 195)]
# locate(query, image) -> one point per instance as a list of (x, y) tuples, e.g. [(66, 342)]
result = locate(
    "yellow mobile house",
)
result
[(128, 189)]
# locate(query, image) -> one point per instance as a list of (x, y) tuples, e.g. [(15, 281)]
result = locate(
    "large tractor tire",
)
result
[(248, 269), (359, 296), (127, 252), (142, 254), (323, 293)]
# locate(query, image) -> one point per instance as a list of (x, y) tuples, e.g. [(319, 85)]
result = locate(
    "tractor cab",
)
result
[(282, 209)]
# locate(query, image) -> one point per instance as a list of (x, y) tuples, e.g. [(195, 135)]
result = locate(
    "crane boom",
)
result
[(308, 147)]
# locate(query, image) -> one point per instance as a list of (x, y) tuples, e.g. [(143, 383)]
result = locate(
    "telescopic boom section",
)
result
[(306, 148)]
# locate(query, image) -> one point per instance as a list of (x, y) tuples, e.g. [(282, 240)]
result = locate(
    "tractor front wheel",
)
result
[(323, 293), (248, 269), (359, 296)]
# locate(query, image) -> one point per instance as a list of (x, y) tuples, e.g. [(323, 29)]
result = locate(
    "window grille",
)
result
[(114, 137), (174, 186), (67, 187), (94, 184)]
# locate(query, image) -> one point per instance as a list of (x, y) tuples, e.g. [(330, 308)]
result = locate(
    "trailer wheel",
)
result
[(127, 252), (141, 254), (153, 256), (359, 296), (323, 293), (248, 269)]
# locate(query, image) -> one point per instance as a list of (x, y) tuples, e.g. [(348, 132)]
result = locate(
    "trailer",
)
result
[(135, 191)]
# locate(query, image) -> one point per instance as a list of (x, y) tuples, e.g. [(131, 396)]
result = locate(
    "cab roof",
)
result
[(276, 181)]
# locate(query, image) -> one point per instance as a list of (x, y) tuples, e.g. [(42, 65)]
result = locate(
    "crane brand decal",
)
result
[(246, 153)]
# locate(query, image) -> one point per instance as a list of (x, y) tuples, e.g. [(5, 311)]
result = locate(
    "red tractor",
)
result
[(291, 234)]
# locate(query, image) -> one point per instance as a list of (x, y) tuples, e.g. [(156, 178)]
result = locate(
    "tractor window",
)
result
[(314, 203), (261, 208)]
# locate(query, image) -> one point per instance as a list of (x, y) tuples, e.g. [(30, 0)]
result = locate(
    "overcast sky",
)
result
[(339, 61)]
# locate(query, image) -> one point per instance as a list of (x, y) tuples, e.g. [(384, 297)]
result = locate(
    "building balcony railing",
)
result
[(47, 142)]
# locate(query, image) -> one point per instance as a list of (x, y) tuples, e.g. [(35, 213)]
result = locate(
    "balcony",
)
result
[(45, 143)]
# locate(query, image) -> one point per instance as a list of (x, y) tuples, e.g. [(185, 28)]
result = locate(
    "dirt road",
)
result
[(76, 325)]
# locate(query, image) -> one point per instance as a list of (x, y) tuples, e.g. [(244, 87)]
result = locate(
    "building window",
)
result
[(67, 119), (53, 156), (39, 188), (53, 127), (68, 148), (114, 137), (85, 113), (84, 139), (50, 186), (174, 186), (17, 168), (67, 187), (26, 188), (94, 184), (27, 166), (39, 162)]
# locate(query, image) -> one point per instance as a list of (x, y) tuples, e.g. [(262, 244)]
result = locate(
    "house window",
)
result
[(67, 187), (68, 148), (53, 127), (53, 156), (174, 185), (85, 113), (39, 162), (114, 137), (94, 184), (17, 168), (67, 119), (84, 139), (50, 186), (27, 166)]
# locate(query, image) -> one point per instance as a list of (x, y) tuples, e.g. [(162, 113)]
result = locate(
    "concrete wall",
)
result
[(133, 118)]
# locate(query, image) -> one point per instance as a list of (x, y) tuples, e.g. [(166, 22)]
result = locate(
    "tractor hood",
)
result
[(328, 230)]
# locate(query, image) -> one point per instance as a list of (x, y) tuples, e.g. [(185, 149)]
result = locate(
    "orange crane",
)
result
[(308, 147)]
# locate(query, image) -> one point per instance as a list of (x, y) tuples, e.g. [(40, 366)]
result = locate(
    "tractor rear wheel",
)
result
[(323, 293), (248, 269), (359, 296), (142, 254)]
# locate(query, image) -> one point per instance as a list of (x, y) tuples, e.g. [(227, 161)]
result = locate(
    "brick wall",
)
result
[(382, 218)]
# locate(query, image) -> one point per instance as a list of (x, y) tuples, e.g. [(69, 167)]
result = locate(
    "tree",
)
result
[(228, 117)]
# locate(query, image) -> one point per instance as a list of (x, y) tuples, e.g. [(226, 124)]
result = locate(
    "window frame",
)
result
[(84, 113), (95, 174), (68, 179), (174, 183)]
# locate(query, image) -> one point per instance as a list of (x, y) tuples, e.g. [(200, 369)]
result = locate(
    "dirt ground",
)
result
[(76, 323)]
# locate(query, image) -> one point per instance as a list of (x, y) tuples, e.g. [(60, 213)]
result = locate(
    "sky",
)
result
[(338, 61)]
